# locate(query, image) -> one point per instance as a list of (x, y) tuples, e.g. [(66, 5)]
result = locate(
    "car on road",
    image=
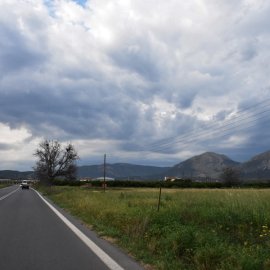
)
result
[(25, 184)]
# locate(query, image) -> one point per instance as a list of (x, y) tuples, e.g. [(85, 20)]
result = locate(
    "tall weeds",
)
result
[(194, 229)]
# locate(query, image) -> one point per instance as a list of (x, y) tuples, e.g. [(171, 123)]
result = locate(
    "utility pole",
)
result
[(159, 197), (104, 171)]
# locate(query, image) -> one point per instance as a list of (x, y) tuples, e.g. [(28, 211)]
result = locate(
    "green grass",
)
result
[(194, 229), (3, 185)]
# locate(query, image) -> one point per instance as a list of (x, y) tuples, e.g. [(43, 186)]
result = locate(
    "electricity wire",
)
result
[(230, 124)]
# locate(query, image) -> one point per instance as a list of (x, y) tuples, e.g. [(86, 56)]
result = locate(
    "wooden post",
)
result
[(159, 198), (104, 170)]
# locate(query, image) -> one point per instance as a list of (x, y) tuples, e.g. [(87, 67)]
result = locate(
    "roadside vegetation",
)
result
[(200, 229), (3, 185)]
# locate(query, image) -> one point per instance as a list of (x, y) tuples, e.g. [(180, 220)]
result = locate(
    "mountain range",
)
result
[(121, 171), (10, 174), (207, 165), (204, 166)]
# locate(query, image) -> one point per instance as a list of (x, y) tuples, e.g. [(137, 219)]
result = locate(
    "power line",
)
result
[(227, 122), (217, 130), (241, 114), (184, 145), (229, 125)]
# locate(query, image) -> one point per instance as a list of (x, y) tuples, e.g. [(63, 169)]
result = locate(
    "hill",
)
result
[(121, 170), (257, 167), (10, 174), (206, 165)]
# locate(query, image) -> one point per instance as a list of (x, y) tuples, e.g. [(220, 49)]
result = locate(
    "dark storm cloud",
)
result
[(15, 53), (119, 74), (107, 116), (140, 60)]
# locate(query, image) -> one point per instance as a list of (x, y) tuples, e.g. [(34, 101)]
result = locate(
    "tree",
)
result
[(230, 176), (53, 161)]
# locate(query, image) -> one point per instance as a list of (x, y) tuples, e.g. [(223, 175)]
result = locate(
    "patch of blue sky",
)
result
[(50, 6), (80, 2)]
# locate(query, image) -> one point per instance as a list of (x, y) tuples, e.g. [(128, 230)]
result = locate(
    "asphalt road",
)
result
[(33, 237)]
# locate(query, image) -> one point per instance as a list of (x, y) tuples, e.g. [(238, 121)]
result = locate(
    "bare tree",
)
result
[(53, 161)]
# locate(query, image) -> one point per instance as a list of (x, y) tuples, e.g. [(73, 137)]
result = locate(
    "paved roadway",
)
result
[(33, 237)]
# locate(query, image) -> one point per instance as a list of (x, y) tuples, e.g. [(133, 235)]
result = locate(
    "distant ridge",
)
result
[(206, 165), (257, 167), (9, 174), (121, 170)]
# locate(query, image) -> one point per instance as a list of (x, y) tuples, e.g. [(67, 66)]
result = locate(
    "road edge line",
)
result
[(110, 263), (7, 195)]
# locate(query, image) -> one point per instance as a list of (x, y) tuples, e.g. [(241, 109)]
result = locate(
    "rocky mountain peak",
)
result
[(262, 156), (257, 167), (208, 164)]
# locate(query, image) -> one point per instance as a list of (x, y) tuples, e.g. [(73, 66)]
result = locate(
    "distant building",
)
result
[(86, 179), (171, 178), (102, 179)]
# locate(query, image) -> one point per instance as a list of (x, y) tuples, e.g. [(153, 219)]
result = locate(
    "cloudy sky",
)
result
[(147, 82)]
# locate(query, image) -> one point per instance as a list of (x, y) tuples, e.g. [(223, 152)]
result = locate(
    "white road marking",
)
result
[(112, 265), (10, 193)]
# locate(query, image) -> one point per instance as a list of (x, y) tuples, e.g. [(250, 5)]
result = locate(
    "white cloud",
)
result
[(16, 147), (9, 135)]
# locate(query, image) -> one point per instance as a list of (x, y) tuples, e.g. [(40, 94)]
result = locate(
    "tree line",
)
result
[(56, 164)]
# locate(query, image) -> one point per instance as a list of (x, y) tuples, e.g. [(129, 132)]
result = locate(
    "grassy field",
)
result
[(2, 185), (194, 229)]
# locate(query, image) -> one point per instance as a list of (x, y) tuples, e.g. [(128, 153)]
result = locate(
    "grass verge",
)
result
[(3, 185), (194, 229)]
